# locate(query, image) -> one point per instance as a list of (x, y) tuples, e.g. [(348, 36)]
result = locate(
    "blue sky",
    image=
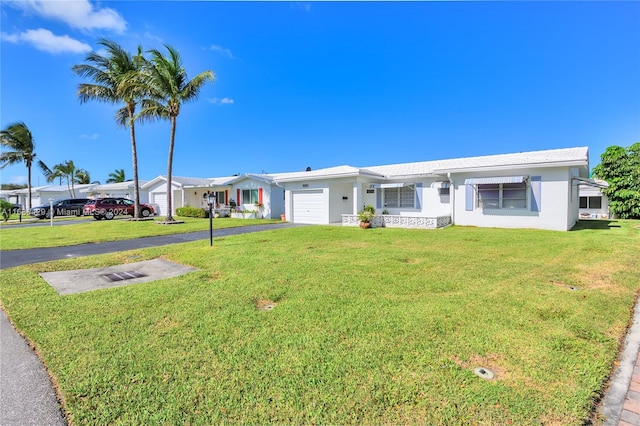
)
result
[(323, 84)]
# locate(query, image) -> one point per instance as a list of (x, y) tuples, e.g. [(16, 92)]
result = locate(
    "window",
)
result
[(590, 202), (399, 197), (220, 197), (502, 196), (249, 196)]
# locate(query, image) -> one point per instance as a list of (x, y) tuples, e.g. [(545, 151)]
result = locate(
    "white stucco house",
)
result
[(41, 194), (522, 190), (245, 191), (538, 189), (120, 189)]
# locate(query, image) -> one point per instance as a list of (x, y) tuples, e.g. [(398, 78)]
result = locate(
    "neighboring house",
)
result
[(40, 195), (593, 203), (245, 191), (119, 190), (185, 192), (524, 190)]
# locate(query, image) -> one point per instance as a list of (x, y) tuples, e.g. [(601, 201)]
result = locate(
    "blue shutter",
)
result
[(419, 195), (378, 198), (468, 204), (536, 195)]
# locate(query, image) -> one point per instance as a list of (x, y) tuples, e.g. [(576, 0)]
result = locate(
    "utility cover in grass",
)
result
[(81, 280)]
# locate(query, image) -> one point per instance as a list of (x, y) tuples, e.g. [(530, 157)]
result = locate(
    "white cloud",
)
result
[(221, 101), (79, 14), (47, 41), (92, 136), (222, 50)]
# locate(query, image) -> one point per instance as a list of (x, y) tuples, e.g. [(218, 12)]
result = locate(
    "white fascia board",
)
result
[(571, 163), (318, 177)]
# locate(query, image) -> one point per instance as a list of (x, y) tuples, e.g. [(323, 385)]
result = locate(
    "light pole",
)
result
[(51, 210), (211, 199)]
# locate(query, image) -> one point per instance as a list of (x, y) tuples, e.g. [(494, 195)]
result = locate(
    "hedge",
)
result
[(192, 212)]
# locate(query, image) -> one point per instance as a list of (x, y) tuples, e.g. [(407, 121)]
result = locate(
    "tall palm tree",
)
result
[(169, 87), (109, 74), (17, 138), (66, 171), (117, 176)]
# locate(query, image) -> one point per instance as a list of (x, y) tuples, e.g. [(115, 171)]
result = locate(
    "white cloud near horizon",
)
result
[(221, 101), (45, 40), (79, 14), (225, 51)]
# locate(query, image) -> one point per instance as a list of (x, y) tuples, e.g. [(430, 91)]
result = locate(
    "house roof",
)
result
[(180, 181), (52, 188), (331, 172), (547, 158), (113, 186)]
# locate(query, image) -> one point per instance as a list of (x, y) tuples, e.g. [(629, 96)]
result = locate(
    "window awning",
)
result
[(389, 185), (494, 180), (439, 185)]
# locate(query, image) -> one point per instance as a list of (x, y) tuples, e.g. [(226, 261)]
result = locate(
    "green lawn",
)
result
[(378, 326), (98, 231)]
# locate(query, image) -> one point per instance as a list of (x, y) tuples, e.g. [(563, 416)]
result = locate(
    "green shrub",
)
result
[(192, 212), (5, 209)]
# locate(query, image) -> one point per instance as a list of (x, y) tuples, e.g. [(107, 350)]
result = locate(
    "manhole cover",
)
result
[(122, 276), (483, 373)]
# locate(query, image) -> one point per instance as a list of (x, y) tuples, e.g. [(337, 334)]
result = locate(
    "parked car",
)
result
[(108, 208), (65, 207)]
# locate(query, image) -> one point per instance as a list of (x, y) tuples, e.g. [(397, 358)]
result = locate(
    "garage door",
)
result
[(309, 207), (160, 200)]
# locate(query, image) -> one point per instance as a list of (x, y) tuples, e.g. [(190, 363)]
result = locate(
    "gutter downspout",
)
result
[(452, 196)]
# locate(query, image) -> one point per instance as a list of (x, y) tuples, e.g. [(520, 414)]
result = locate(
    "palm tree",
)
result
[(169, 87), (17, 138), (64, 171), (116, 78), (83, 177), (117, 176)]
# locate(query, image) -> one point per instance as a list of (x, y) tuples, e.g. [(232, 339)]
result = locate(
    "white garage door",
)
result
[(308, 207), (160, 200)]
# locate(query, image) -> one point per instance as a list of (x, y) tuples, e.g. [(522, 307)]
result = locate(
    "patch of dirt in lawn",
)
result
[(265, 304), (489, 362)]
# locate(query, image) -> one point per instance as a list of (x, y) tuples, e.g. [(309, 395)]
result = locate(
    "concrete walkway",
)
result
[(27, 396)]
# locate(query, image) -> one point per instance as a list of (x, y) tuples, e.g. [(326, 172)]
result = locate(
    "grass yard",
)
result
[(99, 231), (378, 326)]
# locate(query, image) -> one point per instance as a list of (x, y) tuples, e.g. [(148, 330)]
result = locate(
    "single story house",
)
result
[(120, 190), (522, 190), (248, 192), (593, 203), (40, 195)]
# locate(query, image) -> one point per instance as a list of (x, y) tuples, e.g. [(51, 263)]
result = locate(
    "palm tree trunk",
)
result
[(29, 186), (134, 160), (169, 175)]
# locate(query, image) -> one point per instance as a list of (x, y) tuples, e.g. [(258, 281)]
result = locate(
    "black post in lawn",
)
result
[(211, 199)]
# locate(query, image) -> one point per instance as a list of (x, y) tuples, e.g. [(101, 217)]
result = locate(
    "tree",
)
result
[(116, 78), (620, 167), (169, 88), (83, 177), (64, 171), (17, 138), (117, 176)]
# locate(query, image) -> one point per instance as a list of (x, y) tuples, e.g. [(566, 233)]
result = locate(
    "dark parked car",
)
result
[(108, 208), (66, 207)]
